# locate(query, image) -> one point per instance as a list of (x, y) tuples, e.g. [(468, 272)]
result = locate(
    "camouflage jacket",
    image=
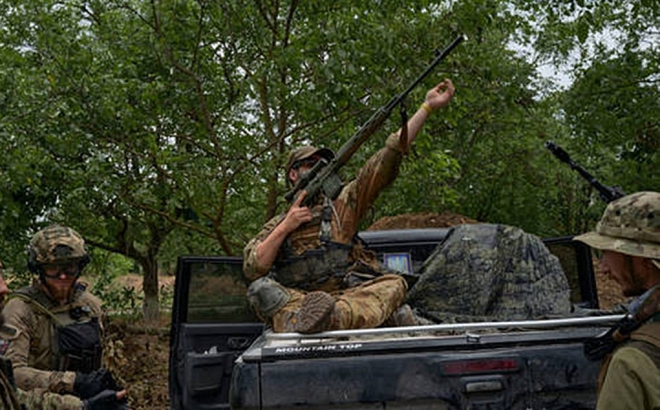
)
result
[(350, 206), (32, 345)]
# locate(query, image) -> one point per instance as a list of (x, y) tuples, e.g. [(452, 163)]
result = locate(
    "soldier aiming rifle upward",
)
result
[(309, 273)]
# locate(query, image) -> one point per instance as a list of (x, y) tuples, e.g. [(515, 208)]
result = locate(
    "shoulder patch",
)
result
[(7, 335), (8, 332)]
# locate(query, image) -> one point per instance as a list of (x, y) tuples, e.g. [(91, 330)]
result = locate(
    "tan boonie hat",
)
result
[(307, 151), (630, 225)]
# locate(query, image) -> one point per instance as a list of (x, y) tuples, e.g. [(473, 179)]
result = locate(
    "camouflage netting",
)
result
[(490, 272)]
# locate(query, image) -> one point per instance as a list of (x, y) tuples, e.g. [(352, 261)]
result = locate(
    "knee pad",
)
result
[(266, 297)]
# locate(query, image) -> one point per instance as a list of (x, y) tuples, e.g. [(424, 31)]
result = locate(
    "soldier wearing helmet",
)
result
[(308, 271), (53, 327), (628, 238), (16, 399)]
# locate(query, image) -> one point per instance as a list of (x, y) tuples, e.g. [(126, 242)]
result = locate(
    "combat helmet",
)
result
[(56, 244), (629, 225)]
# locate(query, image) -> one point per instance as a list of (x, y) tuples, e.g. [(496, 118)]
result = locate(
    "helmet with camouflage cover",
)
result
[(56, 244), (629, 225)]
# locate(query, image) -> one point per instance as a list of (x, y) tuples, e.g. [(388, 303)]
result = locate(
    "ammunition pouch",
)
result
[(80, 346), (325, 267)]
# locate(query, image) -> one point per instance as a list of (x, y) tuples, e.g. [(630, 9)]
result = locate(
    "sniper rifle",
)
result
[(323, 177)]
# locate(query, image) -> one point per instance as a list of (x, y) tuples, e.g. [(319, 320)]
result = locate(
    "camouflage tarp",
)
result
[(490, 272)]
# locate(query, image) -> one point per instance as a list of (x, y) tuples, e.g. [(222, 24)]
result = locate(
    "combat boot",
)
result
[(314, 313)]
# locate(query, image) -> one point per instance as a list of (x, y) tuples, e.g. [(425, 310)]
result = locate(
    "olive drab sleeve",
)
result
[(38, 399), (359, 195), (631, 382)]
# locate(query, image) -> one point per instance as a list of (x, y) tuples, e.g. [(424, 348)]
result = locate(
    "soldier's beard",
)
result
[(60, 290), (61, 294)]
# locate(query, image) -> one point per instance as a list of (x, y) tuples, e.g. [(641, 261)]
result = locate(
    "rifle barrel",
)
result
[(441, 56), (376, 120), (608, 194)]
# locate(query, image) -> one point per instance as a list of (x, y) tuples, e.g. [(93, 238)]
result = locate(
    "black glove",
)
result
[(90, 384), (106, 400)]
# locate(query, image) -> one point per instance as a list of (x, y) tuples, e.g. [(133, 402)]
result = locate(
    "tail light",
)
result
[(466, 367)]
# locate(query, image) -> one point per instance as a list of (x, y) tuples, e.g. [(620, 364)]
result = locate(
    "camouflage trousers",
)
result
[(364, 306), (42, 399), (16, 399)]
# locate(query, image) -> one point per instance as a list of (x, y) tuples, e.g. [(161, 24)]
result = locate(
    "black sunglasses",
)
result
[(309, 162), (54, 271)]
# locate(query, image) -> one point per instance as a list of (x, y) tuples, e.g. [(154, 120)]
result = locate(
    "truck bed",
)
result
[(222, 357)]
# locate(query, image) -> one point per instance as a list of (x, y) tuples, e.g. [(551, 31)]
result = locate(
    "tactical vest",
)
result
[(77, 332), (331, 267), (316, 268)]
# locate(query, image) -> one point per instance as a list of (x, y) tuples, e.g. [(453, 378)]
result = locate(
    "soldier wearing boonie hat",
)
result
[(308, 271), (628, 235), (630, 225)]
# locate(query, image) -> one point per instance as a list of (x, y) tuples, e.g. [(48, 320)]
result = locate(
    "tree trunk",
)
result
[(150, 306)]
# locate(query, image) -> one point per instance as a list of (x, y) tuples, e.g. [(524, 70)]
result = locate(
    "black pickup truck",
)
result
[(221, 357)]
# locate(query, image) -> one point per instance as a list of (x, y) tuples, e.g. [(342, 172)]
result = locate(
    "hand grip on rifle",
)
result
[(607, 193)]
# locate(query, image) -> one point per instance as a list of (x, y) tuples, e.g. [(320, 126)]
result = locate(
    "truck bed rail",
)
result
[(452, 327)]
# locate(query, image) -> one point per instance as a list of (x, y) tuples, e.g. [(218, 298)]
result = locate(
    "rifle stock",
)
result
[(607, 193), (323, 177)]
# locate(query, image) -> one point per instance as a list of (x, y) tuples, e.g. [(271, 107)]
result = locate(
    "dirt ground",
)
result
[(138, 353), (420, 220)]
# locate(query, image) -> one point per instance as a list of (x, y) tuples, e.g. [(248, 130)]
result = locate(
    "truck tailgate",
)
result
[(521, 370)]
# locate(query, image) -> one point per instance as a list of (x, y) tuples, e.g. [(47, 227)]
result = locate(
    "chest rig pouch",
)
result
[(77, 332), (316, 268), (80, 346)]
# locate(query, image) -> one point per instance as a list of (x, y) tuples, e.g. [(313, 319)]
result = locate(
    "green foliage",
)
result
[(160, 128), (125, 301), (108, 265)]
